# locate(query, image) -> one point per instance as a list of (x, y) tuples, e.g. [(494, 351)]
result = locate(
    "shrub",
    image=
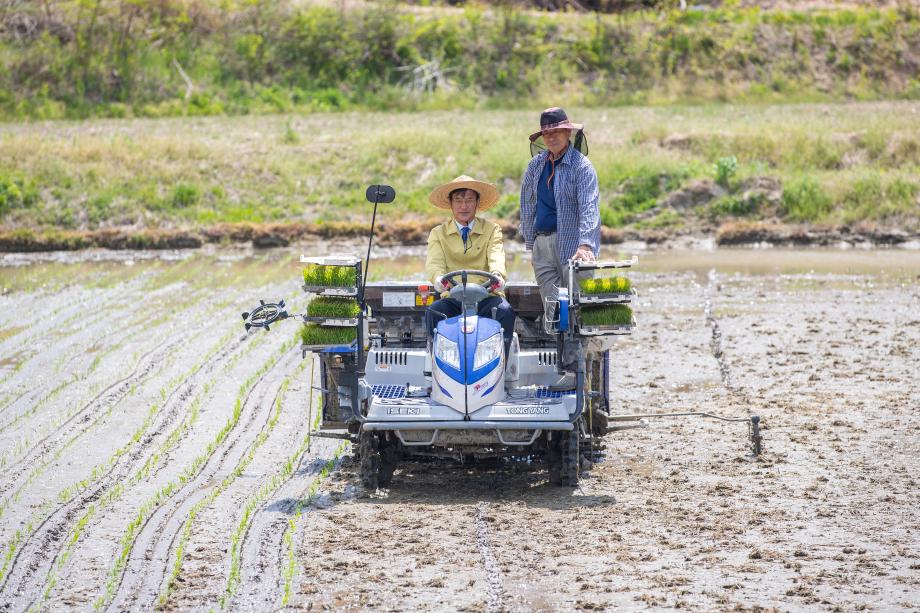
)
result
[(725, 169), (735, 206), (805, 200), (16, 193), (185, 195)]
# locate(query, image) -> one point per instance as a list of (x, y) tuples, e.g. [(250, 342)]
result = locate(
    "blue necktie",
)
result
[(465, 233)]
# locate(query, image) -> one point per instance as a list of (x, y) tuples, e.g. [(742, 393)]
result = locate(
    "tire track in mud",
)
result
[(138, 584), (715, 344), (37, 552), (493, 573)]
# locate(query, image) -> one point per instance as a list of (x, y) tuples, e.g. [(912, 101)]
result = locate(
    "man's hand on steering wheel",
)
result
[(442, 285), (492, 280), (499, 283)]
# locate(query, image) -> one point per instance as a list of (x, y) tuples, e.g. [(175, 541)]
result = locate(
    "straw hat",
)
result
[(488, 194)]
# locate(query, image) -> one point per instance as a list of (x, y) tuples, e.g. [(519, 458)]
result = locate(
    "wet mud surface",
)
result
[(155, 456)]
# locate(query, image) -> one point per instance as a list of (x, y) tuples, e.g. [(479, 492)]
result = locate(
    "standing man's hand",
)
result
[(583, 254)]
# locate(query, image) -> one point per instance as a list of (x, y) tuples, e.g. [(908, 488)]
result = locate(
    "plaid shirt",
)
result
[(578, 218)]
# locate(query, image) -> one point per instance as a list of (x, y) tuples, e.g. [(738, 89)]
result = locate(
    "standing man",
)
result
[(560, 218), (468, 242)]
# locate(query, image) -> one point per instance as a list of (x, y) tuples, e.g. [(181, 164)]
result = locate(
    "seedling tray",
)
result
[(305, 349), (618, 298), (322, 290), (615, 330), (335, 322)]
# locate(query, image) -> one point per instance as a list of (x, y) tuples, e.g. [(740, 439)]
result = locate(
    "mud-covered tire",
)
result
[(563, 458), (389, 458), (369, 461), (553, 461), (570, 457)]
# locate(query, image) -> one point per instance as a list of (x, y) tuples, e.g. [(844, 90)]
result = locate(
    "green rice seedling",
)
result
[(313, 334), (607, 315), (328, 306), (606, 285), (317, 275)]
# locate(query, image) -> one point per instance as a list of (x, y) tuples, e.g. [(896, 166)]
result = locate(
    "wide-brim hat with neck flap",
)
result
[(555, 118), (488, 193)]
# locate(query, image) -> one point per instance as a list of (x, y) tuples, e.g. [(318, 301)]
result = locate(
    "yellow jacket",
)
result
[(485, 250)]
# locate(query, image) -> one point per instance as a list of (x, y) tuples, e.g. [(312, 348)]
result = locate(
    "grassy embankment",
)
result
[(91, 58), (660, 168)]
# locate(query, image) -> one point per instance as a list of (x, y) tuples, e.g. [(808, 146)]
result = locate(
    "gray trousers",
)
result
[(548, 270)]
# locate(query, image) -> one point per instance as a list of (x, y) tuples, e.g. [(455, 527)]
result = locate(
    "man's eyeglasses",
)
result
[(458, 200)]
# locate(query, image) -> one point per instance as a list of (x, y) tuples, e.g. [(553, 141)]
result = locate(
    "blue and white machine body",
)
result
[(468, 367)]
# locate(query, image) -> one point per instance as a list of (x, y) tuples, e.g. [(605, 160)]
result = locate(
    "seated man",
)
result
[(467, 242)]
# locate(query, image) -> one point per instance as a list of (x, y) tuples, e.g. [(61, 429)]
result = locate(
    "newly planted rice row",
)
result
[(121, 487), (205, 502), (69, 416), (249, 510), (291, 569), (68, 495), (191, 471)]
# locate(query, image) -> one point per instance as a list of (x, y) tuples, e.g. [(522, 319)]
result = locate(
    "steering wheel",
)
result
[(451, 277)]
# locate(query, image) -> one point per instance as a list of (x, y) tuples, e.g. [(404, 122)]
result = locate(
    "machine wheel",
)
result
[(389, 457), (570, 457), (369, 457), (563, 458), (554, 461)]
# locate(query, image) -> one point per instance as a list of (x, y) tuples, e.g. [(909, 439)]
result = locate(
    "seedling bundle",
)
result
[(317, 335), (324, 276), (607, 315), (333, 307), (605, 285)]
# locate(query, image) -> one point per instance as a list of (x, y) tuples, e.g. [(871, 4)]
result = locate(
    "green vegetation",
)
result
[(605, 285), (725, 170), (313, 334), (206, 57), (607, 315), (829, 164), (290, 568), (327, 306), (315, 275)]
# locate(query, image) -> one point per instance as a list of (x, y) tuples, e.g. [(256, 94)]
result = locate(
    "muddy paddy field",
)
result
[(153, 455)]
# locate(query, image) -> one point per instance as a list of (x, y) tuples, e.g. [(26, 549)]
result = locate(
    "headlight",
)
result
[(447, 351), (487, 351)]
